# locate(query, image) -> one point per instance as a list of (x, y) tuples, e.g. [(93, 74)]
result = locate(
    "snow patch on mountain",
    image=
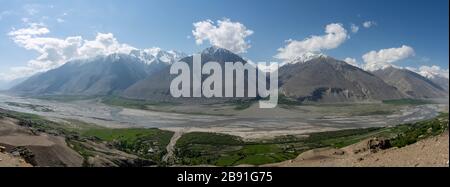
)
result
[(156, 55), (306, 57)]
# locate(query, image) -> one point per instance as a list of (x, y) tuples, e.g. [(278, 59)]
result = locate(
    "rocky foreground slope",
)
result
[(430, 152), (24, 142), (8, 160)]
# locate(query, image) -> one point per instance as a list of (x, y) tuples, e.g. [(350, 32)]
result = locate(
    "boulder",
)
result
[(25, 153), (376, 144), (2, 149)]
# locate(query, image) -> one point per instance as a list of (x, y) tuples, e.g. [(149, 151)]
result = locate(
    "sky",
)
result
[(36, 36)]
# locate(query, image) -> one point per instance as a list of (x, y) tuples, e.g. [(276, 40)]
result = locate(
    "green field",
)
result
[(145, 143), (407, 102), (225, 150), (284, 100), (411, 133)]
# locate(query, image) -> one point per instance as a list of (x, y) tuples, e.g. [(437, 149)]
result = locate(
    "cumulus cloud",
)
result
[(104, 44), (351, 61), (368, 24), (226, 34), (354, 28), (54, 52), (33, 29), (432, 71), (384, 58), (334, 37)]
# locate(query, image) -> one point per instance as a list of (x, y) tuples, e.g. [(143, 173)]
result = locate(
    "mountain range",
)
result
[(441, 81), (102, 75), (326, 79), (157, 86), (8, 84), (410, 83), (144, 74)]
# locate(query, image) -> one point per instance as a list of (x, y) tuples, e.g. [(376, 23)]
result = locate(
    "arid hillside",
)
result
[(430, 152)]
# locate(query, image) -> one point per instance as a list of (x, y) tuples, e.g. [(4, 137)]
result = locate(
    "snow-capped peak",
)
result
[(156, 55), (216, 50), (306, 57)]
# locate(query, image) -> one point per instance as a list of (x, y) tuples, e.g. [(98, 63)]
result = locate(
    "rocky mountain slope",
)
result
[(325, 79), (442, 82), (411, 84)]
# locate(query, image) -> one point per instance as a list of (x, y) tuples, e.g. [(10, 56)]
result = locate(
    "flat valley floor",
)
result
[(249, 123)]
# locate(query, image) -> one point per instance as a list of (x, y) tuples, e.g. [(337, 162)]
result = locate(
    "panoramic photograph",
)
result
[(224, 83)]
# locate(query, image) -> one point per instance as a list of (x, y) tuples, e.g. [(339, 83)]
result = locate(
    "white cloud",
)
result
[(351, 61), (368, 24), (335, 36), (60, 20), (33, 29), (411, 69), (103, 44), (384, 58), (354, 28), (54, 52), (226, 34), (432, 71)]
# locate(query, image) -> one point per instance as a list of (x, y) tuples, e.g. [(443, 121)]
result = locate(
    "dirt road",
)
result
[(171, 146)]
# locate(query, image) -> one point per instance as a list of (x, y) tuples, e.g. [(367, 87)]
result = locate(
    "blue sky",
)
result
[(168, 24)]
